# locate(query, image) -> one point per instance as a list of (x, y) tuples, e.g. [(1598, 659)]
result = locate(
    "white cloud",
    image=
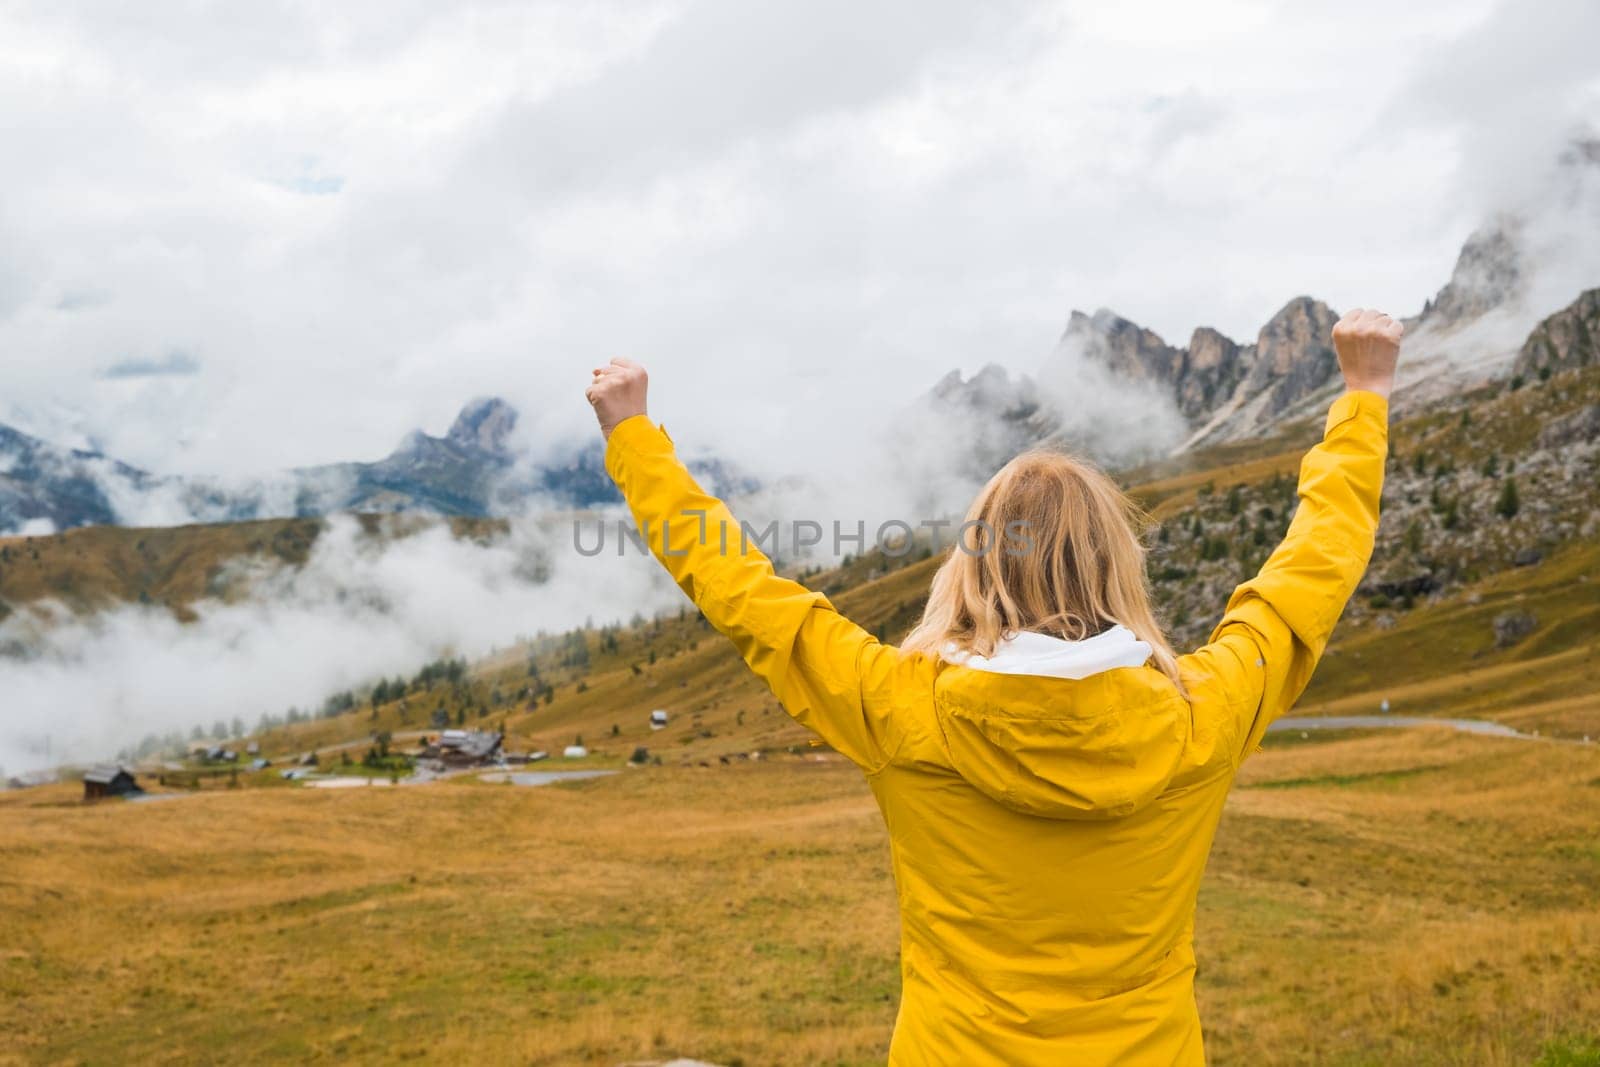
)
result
[(354, 218), (31, 527), (1512, 89)]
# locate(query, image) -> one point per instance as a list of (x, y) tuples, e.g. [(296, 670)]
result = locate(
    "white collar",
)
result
[(1053, 657)]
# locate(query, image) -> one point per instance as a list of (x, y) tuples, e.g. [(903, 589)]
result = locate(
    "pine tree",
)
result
[(1508, 504), (1413, 537)]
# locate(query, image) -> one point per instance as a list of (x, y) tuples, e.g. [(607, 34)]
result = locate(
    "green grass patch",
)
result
[(1344, 781), (1319, 736), (1570, 1051)]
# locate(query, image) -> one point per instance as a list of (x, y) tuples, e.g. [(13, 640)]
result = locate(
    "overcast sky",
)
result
[(240, 237)]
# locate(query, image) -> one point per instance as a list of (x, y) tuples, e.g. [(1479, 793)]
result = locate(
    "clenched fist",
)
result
[(617, 393), (1368, 344)]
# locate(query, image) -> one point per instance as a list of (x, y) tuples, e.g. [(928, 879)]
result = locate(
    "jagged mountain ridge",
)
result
[(1509, 276), (457, 474), (1227, 391), (1219, 388), (474, 470)]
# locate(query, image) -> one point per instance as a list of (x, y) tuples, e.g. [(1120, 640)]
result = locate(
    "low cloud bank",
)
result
[(357, 610)]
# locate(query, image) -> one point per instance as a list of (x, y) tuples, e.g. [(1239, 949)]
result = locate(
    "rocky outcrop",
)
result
[(1512, 627), (1569, 338), (1578, 427)]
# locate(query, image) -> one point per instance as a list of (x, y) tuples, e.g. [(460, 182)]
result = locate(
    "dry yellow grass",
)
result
[(573, 924), (1418, 897)]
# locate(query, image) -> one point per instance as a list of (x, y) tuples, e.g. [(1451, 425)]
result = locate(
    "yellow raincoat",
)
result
[(1048, 834)]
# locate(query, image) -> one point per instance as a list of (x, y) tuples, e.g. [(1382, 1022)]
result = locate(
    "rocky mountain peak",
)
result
[(1125, 347), (1487, 274), (1294, 355), (485, 426), (947, 385), (1302, 329), (991, 393), (1213, 368), (990, 390), (1209, 348)]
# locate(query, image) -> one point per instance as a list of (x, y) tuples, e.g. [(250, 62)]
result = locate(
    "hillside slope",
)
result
[(98, 567)]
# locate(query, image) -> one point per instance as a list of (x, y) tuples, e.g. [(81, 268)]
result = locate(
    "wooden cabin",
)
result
[(108, 780)]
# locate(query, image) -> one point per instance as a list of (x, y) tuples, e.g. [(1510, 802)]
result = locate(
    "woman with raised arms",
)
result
[(1049, 771)]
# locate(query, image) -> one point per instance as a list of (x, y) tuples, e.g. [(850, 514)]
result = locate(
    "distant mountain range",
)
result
[(471, 471), (1499, 315), (1485, 322)]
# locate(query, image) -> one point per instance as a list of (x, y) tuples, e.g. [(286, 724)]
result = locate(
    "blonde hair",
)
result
[(1049, 545)]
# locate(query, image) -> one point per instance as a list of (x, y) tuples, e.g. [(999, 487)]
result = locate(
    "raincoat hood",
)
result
[(1063, 729)]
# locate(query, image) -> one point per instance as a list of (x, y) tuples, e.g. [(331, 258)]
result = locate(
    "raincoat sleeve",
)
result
[(1261, 655), (829, 674)]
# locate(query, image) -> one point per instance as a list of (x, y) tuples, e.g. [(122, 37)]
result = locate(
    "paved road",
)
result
[(1389, 722)]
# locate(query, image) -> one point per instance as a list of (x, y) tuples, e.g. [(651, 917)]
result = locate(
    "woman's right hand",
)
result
[(617, 393), (1368, 344)]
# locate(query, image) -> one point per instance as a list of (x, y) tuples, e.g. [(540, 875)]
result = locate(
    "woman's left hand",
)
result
[(617, 393)]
